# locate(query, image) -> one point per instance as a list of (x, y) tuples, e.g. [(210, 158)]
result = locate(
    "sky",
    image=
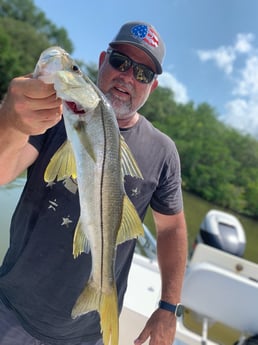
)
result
[(211, 47)]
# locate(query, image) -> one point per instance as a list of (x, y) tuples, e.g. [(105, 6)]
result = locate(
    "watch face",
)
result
[(179, 310)]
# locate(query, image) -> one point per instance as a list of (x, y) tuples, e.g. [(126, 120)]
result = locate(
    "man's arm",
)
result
[(30, 107), (172, 256)]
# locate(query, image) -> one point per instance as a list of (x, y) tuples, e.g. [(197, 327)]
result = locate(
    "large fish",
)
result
[(95, 154)]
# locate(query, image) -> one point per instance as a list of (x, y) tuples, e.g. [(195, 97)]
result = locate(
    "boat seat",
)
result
[(213, 288)]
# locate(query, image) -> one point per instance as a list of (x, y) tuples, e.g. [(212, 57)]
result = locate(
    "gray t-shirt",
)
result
[(39, 279)]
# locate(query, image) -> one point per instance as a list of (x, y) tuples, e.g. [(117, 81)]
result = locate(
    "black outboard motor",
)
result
[(222, 231)]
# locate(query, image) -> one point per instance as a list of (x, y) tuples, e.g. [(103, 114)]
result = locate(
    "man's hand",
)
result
[(30, 106), (160, 328)]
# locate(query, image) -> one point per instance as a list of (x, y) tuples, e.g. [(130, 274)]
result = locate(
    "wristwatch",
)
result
[(176, 309)]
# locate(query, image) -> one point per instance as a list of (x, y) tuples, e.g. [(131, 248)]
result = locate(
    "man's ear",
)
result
[(102, 57), (154, 85)]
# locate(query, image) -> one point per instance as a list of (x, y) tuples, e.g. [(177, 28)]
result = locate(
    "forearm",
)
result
[(172, 257)]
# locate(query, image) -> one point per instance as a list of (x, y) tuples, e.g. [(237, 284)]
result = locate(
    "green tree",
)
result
[(25, 11), (24, 33), (160, 104)]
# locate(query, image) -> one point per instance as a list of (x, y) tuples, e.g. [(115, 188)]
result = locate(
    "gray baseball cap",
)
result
[(145, 37)]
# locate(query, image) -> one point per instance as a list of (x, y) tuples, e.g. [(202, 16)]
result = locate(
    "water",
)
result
[(9, 196)]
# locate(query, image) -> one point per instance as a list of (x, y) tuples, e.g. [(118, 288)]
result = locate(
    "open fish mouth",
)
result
[(75, 108)]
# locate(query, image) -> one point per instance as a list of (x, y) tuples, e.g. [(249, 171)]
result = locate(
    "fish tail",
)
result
[(107, 306), (88, 300), (109, 318)]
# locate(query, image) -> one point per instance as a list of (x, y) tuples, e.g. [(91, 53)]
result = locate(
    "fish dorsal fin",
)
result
[(62, 165), (80, 241), (131, 225), (129, 165)]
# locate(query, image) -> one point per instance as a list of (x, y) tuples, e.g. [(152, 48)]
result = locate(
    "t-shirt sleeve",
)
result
[(167, 198), (37, 141)]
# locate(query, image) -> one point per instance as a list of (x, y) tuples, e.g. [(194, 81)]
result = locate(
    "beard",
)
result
[(122, 109)]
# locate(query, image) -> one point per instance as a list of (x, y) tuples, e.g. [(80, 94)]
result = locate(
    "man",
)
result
[(39, 279)]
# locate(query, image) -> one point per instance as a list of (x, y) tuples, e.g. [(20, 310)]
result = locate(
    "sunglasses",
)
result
[(123, 63)]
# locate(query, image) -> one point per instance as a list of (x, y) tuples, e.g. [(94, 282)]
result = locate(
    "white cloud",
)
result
[(242, 115), (243, 43), (166, 79), (247, 84), (223, 57), (242, 110)]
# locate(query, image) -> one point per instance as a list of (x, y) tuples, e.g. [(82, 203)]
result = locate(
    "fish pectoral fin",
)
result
[(80, 241), (131, 225), (109, 317), (88, 300), (129, 165), (62, 165)]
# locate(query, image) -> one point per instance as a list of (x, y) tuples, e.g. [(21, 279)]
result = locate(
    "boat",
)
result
[(220, 287)]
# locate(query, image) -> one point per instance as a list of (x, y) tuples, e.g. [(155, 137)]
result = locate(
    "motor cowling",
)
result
[(222, 231)]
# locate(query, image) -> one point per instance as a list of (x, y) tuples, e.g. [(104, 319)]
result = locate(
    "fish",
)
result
[(97, 157)]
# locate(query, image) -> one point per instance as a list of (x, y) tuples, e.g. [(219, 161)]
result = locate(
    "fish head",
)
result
[(55, 66), (76, 91), (50, 61)]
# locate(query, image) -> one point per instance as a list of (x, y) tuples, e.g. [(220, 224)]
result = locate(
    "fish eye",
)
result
[(75, 68)]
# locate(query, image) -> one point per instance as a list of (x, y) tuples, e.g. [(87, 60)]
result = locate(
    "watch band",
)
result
[(176, 309), (167, 306)]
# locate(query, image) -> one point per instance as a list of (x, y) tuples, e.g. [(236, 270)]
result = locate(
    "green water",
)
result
[(196, 209)]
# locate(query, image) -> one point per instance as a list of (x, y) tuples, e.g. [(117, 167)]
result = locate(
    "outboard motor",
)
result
[(222, 231)]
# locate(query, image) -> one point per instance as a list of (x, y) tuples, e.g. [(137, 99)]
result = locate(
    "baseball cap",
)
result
[(145, 37)]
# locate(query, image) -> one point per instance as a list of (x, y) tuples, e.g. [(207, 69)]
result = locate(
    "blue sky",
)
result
[(211, 46)]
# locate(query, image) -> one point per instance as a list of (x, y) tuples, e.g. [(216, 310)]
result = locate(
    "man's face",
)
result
[(124, 92)]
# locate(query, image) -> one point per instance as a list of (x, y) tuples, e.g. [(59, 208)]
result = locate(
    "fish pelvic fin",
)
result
[(131, 225), (128, 163), (107, 306), (62, 164), (80, 241)]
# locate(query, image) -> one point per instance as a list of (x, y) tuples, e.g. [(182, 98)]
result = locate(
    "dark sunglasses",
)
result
[(123, 63)]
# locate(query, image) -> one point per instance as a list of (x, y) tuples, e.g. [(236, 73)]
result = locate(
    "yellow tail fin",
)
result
[(107, 306), (109, 318)]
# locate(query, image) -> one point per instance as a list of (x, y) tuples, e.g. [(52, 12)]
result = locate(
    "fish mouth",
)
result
[(76, 109)]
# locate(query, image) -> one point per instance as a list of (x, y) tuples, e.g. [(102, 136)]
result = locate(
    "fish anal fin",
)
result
[(80, 241), (62, 165), (131, 225), (88, 300), (128, 163)]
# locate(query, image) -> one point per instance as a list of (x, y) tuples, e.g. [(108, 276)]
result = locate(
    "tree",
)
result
[(24, 34), (160, 104), (25, 11)]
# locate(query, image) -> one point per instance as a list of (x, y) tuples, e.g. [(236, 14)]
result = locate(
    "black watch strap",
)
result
[(176, 309)]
